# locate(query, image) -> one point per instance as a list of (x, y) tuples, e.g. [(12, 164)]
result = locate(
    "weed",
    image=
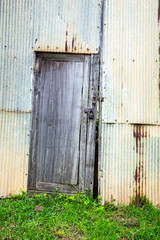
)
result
[(76, 217), (140, 201)]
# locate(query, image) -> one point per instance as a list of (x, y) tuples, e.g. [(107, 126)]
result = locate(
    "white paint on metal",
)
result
[(131, 62), (25, 27), (130, 163), (14, 152)]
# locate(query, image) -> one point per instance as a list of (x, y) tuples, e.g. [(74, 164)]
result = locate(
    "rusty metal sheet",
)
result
[(130, 162), (131, 87), (41, 25), (28, 26), (67, 26), (14, 152), (38, 25)]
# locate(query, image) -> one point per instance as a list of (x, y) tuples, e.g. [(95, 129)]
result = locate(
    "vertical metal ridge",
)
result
[(26, 27), (131, 101), (131, 155), (41, 26), (131, 60), (14, 145)]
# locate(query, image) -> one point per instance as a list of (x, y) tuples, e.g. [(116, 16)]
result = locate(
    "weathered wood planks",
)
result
[(63, 138)]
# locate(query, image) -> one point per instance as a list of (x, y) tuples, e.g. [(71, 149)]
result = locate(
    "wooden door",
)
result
[(63, 136)]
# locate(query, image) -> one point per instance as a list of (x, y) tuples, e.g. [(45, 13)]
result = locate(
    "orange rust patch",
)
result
[(66, 45), (139, 183), (138, 133), (73, 42)]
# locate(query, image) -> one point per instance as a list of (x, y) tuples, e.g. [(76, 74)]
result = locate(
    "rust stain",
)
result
[(73, 42), (136, 180), (137, 136), (138, 133), (138, 177), (66, 47), (70, 45), (14, 111)]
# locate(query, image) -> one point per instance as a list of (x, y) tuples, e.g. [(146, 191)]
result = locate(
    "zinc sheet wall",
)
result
[(131, 62), (14, 151), (26, 27), (130, 153), (130, 164)]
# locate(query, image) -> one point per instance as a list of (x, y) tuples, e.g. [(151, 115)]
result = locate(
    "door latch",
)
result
[(90, 112)]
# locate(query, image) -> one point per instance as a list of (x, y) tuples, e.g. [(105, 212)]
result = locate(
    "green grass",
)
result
[(75, 217)]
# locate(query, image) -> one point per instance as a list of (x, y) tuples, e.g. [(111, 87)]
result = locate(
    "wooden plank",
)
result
[(34, 133), (59, 122), (53, 187), (72, 172), (91, 128), (62, 57), (100, 169), (84, 120)]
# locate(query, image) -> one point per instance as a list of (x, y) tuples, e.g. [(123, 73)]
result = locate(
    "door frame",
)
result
[(88, 126)]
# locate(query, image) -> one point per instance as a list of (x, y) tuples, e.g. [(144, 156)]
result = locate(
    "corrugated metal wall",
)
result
[(131, 85), (130, 163), (25, 27), (130, 82), (14, 151), (130, 154)]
